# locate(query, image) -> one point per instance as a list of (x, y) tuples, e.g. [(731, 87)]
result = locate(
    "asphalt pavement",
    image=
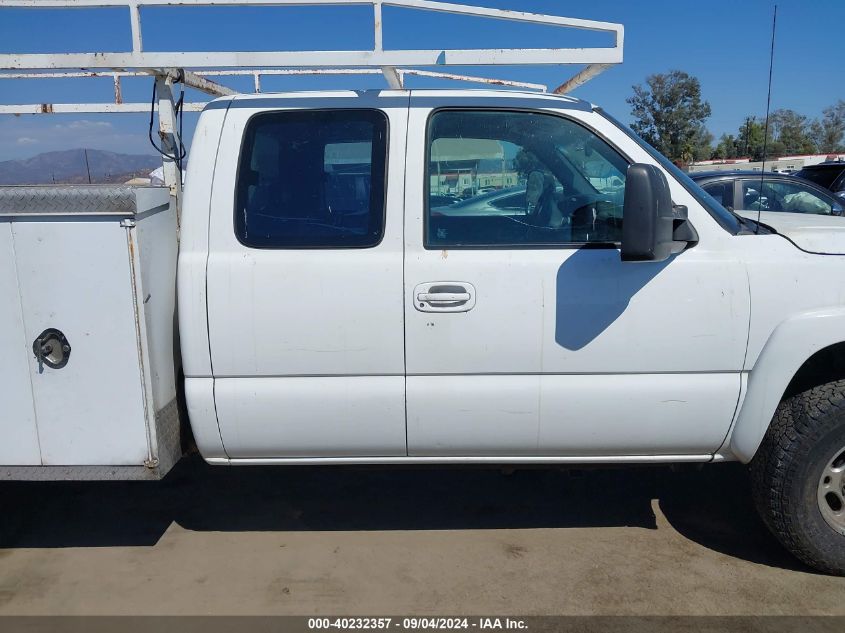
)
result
[(342, 540)]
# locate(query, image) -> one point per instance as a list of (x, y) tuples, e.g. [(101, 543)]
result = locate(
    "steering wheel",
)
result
[(583, 213)]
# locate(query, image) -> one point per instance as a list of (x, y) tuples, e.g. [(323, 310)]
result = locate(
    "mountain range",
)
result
[(69, 167)]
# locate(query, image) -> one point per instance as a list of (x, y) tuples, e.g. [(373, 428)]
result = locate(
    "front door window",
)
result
[(514, 179)]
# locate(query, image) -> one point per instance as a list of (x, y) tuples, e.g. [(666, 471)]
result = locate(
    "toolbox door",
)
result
[(18, 435), (76, 291)]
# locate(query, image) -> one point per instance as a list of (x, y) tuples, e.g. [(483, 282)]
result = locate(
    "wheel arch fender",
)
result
[(791, 344)]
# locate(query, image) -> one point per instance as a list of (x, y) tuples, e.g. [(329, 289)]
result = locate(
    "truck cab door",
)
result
[(304, 276), (526, 335)]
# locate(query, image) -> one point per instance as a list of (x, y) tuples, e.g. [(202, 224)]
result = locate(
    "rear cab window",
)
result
[(312, 179)]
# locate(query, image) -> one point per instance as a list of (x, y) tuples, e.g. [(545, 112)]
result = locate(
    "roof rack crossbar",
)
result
[(199, 80), (394, 64)]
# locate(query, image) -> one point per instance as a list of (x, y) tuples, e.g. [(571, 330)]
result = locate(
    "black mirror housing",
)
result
[(647, 216)]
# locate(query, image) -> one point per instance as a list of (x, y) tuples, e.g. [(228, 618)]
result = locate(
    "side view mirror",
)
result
[(652, 228)]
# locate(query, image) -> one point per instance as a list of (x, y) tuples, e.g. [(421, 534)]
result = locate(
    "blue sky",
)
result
[(724, 43)]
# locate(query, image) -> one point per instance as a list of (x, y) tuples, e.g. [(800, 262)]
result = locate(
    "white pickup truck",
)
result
[(395, 276)]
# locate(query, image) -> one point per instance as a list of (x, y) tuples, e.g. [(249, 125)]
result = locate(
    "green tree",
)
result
[(749, 140), (670, 114), (702, 144), (790, 132), (726, 148), (827, 134)]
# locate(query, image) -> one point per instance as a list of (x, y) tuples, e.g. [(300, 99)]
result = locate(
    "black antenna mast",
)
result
[(766, 129), (87, 168)]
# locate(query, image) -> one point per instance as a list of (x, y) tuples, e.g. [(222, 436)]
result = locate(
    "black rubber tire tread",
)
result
[(786, 468)]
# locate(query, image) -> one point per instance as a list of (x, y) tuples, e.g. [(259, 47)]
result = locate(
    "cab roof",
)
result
[(538, 99)]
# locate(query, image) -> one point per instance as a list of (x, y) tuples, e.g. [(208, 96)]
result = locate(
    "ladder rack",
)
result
[(202, 70), (394, 64)]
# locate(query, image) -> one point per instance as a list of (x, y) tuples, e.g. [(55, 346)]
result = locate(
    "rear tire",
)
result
[(798, 480)]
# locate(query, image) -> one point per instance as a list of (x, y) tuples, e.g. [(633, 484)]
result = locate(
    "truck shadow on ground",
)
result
[(711, 506)]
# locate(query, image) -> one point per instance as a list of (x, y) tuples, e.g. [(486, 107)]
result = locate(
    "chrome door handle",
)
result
[(443, 297)]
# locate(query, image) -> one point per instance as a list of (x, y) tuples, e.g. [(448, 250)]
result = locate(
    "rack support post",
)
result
[(170, 143)]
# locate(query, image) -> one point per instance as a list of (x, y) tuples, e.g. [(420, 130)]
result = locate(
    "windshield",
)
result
[(725, 218)]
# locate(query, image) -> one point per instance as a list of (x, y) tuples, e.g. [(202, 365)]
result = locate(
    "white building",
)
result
[(780, 164)]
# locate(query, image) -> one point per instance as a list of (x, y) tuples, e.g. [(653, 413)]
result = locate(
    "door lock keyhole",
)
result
[(51, 348)]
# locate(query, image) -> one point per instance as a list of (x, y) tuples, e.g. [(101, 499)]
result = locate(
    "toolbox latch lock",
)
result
[(51, 348)]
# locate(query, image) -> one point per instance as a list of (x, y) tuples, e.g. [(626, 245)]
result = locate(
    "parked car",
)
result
[(510, 201), (442, 199), (830, 175), (741, 191)]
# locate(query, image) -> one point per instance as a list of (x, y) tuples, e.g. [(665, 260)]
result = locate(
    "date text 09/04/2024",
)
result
[(417, 623)]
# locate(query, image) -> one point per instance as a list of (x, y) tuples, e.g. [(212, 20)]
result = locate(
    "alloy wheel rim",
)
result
[(831, 492)]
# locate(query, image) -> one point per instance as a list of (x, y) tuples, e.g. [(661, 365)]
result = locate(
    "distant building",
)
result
[(461, 165), (779, 164)]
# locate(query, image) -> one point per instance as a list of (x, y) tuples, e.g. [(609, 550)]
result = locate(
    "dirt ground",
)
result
[(349, 541)]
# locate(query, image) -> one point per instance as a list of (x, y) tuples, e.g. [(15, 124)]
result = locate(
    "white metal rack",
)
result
[(394, 64), (196, 69)]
